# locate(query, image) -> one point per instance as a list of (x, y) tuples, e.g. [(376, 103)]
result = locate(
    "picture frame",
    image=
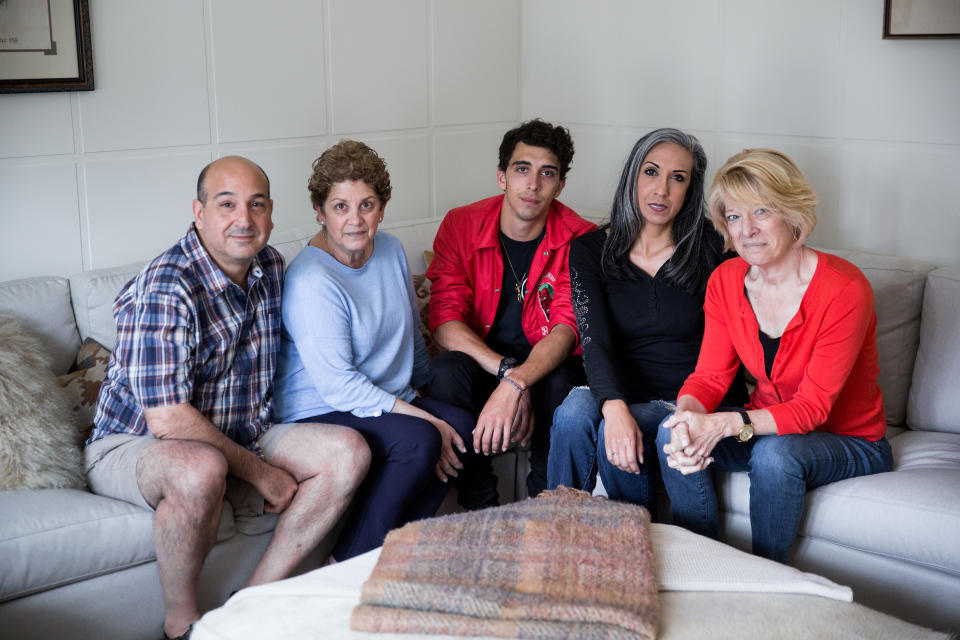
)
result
[(921, 19), (45, 46)]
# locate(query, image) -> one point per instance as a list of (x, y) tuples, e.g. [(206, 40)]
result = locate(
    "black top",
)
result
[(770, 348), (640, 336), (506, 335)]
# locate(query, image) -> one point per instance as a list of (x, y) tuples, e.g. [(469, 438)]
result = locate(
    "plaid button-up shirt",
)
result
[(186, 333)]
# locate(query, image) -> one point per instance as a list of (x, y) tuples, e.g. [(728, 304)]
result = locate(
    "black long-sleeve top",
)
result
[(641, 336)]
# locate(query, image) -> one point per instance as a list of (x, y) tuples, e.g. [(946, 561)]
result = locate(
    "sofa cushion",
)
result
[(43, 304), (93, 296), (934, 402), (911, 514), (54, 537), (289, 243), (898, 293)]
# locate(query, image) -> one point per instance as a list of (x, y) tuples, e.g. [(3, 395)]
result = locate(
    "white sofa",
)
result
[(77, 565), (82, 566), (893, 537)]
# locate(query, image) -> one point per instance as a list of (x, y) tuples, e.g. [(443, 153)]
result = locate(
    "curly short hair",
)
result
[(767, 178), (348, 160), (538, 133)]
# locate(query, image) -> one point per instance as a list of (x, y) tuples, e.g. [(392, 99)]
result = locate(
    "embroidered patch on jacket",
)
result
[(545, 294)]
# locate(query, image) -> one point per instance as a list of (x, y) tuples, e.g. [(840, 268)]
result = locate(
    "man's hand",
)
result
[(276, 486), (621, 437), (495, 424)]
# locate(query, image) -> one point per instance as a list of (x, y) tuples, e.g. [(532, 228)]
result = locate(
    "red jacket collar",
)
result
[(558, 231)]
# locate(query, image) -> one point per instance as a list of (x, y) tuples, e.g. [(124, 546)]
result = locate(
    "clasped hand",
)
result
[(692, 439), (506, 419)]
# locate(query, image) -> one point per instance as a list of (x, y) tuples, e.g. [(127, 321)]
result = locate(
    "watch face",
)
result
[(746, 432), (505, 365)]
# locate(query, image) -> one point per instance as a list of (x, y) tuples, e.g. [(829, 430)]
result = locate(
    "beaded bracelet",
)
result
[(514, 384)]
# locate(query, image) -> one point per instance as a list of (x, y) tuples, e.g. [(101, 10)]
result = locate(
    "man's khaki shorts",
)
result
[(112, 469)]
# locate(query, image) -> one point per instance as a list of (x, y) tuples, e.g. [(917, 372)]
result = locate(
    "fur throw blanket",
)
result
[(565, 565), (38, 447)]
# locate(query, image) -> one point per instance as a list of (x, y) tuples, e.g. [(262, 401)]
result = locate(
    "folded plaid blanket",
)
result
[(565, 565)]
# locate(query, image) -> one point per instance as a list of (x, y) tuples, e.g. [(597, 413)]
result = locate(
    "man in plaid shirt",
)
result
[(186, 401)]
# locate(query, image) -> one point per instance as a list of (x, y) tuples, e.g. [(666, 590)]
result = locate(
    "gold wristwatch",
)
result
[(746, 431)]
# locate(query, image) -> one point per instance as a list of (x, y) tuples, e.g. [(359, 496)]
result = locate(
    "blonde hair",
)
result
[(766, 178)]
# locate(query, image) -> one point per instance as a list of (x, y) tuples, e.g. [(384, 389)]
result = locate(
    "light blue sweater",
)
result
[(351, 337)]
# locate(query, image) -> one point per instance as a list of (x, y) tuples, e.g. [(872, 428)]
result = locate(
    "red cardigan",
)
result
[(467, 270), (824, 375)]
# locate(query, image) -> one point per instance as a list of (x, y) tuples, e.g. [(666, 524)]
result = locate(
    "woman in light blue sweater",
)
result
[(352, 353)]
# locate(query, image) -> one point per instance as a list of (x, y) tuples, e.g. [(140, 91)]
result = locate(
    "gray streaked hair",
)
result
[(690, 266)]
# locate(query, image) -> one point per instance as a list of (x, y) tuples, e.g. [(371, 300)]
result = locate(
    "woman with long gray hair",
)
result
[(638, 285)]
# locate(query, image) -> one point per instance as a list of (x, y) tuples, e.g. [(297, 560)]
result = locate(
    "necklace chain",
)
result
[(516, 284)]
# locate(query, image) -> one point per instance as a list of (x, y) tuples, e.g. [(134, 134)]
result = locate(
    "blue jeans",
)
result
[(637, 488), (781, 469), (572, 461), (577, 453)]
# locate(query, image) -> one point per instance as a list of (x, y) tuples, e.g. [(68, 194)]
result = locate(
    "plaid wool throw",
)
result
[(565, 565)]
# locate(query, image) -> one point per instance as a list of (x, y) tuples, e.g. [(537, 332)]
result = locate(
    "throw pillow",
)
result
[(83, 384), (38, 447), (421, 286)]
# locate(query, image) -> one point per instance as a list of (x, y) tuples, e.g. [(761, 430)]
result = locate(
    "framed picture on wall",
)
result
[(45, 46), (921, 19)]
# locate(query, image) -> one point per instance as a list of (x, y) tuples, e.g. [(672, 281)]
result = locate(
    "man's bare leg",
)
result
[(329, 463), (184, 481)]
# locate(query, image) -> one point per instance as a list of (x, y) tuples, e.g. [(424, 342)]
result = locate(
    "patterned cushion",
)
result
[(421, 286), (83, 384)]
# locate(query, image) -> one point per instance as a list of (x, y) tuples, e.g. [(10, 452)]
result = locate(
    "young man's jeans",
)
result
[(577, 453), (782, 468)]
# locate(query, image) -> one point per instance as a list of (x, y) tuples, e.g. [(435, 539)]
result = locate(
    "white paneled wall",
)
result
[(39, 219), (873, 123), (619, 63), (379, 64), (98, 179), (104, 178), (269, 69), (150, 74), (137, 206)]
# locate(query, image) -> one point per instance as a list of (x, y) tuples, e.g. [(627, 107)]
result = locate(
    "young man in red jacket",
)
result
[(500, 303)]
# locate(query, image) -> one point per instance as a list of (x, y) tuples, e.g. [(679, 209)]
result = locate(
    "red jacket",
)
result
[(824, 375), (467, 270)]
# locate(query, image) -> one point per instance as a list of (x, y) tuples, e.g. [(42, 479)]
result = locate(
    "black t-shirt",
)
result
[(640, 336), (770, 348), (506, 335)]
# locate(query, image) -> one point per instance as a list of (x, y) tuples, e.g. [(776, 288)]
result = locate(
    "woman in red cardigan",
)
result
[(803, 324)]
